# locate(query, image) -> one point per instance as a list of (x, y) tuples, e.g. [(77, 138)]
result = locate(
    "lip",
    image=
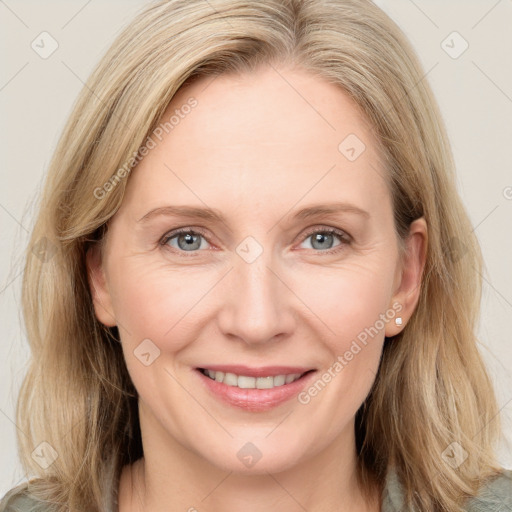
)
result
[(263, 371), (255, 400)]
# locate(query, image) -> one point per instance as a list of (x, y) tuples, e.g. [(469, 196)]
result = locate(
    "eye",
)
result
[(185, 240), (189, 240), (322, 239)]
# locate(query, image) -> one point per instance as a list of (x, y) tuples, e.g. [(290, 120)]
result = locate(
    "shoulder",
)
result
[(494, 496), (20, 500)]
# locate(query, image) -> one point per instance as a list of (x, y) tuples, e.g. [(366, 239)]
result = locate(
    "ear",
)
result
[(409, 276), (98, 285)]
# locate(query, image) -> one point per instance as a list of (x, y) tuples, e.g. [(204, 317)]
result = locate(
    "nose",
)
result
[(256, 305)]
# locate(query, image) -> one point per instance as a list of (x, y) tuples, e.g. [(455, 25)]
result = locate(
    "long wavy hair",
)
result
[(432, 388)]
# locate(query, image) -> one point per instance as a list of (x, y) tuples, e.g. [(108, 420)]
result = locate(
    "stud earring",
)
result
[(398, 320)]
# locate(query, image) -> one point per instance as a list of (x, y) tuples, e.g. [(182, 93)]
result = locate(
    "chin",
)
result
[(257, 457)]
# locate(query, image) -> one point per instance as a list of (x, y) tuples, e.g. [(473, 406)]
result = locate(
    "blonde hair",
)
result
[(431, 389)]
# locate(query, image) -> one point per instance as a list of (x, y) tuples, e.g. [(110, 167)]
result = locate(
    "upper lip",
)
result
[(262, 371)]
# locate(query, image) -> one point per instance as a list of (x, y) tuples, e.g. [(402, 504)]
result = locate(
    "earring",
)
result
[(398, 320)]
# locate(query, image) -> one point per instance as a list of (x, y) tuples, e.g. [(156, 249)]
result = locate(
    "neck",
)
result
[(172, 478)]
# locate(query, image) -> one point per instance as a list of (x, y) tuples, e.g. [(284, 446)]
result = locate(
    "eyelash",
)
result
[(343, 237)]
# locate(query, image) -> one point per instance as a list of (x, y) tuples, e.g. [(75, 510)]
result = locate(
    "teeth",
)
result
[(289, 378), (229, 378), (246, 382), (279, 380), (265, 382)]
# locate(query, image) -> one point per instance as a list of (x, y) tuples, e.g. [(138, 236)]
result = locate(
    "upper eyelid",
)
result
[(320, 228), (173, 232)]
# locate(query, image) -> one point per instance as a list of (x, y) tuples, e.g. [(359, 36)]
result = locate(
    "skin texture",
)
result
[(257, 150)]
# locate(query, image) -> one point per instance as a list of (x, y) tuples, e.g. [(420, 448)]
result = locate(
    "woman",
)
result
[(195, 347)]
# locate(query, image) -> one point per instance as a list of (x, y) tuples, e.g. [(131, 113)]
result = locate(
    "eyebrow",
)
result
[(212, 214)]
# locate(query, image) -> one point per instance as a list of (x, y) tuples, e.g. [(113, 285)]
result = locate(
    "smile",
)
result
[(255, 393), (248, 382)]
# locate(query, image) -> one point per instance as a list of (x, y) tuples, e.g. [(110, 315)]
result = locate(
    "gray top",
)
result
[(496, 496)]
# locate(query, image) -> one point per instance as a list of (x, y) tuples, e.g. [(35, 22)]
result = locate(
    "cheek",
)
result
[(154, 309), (349, 300), (150, 299), (153, 300), (353, 304)]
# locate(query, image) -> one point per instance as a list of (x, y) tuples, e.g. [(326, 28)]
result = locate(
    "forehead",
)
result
[(267, 107), (269, 136)]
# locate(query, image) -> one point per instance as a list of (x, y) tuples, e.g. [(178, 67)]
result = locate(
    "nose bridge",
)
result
[(257, 308)]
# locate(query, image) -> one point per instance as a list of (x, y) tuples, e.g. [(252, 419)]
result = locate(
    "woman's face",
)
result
[(302, 272)]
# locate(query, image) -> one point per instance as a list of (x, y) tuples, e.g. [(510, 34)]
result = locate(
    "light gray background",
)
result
[(475, 96)]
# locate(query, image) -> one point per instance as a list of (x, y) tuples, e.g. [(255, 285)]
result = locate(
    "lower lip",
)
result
[(255, 400)]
